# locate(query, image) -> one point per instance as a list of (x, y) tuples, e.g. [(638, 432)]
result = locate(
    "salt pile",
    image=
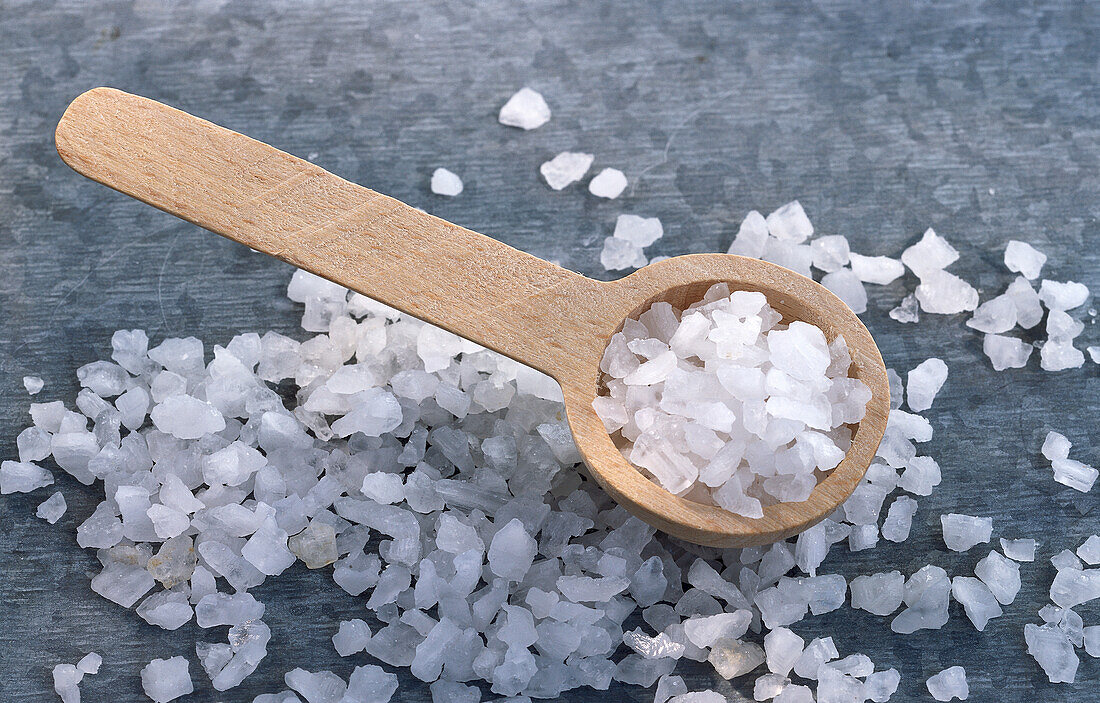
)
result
[(445, 182), (526, 109), (565, 168), (725, 404)]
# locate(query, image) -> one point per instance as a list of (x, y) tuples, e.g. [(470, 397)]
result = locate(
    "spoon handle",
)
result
[(524, 307)]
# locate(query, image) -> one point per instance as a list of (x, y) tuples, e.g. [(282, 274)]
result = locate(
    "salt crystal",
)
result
[(927, 594), (932, 253), (796, 257), (52, 508), (795, 693), (445, 182), (944, 293), (1066, 295), (961, 532), (1089, 551), (924, 382), (835, 687), (817, 652), (565, 168), (33, 384), (66, 678), (1051, 648), (511, 551), (782, 649), (949, 684), (1074, 474), (1056, 446), (383, 488), (526, 109), (751, 237), (790, 223), (1066, 559), (619, 254), (977, 600), (1062, 327), (1094, 354), (224, 609), (994, 316), (22, 477), (848, 287), (186, 417), (1021, 257), (899, 519), (880, 270), (733, 658), (1019, 549), (1072, 587), (880, 594), (1091, 640), (669, 686), (907, 311), (1000, 575), (89, 663), (705, 631), (608, 183), (879, 686), (315, 545), (639, 231), (316, 687), (1059, 355), (167, 609), (166, 679), (699, 697), (830, 253), (1006, 352), (769, 686)]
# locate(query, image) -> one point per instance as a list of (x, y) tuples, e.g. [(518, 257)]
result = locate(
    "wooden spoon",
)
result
[(531, 310)]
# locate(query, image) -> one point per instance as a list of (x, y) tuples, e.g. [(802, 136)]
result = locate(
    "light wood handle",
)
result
[(512, 302)]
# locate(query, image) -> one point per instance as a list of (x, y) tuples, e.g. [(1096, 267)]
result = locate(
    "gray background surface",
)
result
[(977, 119)]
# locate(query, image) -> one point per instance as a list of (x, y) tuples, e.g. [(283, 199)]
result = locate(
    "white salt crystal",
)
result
[(66, 678), (705, 631), (1089, 551), (1094, 354), (733, 658), (608, 183), (834, 687), (383, 488), (790, 223), (848, 287), (565, 168), (944, 293), (994, 316), (89, 663), (445, 182), (1066, 295), (907, 311), (795, 693), (977, 600), (1000, 575), (880, 270), (769, 686), (817, 652), (352, 637), (699, 697), (166, 679), (639, 231), (316, 687), (879, 686), (863, 537), (927, 593), (267, 549), (1066, 559), (526, 109), (932, 253), (1059, 355), (512, 551), (1019, 549), (899, 519), (1021, 257), (52, 508), (751, 237), (796, 257), (1052, 649), (782, 649), (186, 417), (1072, 587), (1091, 637), (1006, 352), (880, 594), (22, 477), (224, 609), (373, 684), (167, 609), (669, 686), (924, 382), (619, 254), (1056, 446), (1062, 327), (1029, 309), (1072, 473), (33, 384), (961, 532), (949, 684), (830, 253)]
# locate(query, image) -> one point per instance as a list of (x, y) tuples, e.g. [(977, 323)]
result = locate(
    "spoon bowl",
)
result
[(531, 310)]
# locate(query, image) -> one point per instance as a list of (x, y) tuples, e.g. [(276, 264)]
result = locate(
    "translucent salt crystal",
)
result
[(511, 551), (795, 693), (977, 600), (1094, 354), (949, 684), (1074, 474), (352, 637), (705, 631), (1066, 559), (1053, 651), (790, 223), (384, 488), (224, 609), (1001, 575), (1056, 446), (879, 686), (181, 356), (857, 665), (608, 183), (619, 254), (830, 253), (373, 684), (444, 691), (699, 697), (863, 537), (104, 378), (1072, 587), (667, 687), (796, 257), (565, 168), (865, 504), (315, 545), (66, 680), (1091, 640), (34, 444), (907, 311), (1021, 257), (1006, 352), (267, 549), (769, 686), (880, 594), (751, 237), (818, 651), (927, 593), (1019, 549), (639, 231), (445, 182), (1066, 295), (1059, 355), (848, 287), (585, 589), (166, 679), (526, 109), (281, 697), (33, 384), (944, 293), (22, 477), (733, 658), (89, 663), (316, 687), (880, 270), (122, 583), (374, 412), (994, 316), (1089, 551), (186, 417), (836, 687), (1062, 327), (924, 382), (932, 253), (657, 647), (782, 648), (961, 532)]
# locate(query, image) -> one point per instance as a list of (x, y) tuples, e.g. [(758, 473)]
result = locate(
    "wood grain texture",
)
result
[(531, 310)]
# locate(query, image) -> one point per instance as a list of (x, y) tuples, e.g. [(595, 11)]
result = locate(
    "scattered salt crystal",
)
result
[(669, 686), (769, 686), (795, 693), (751, 237), (1001, 575), (961, 532), (316, 687), (789, 222), (899, 519), (977, 600), (352, 637), (22, 477), (880, 270), (608, 183), (1091, 639), (526, 109), (927, 593), (1059, 355), (819, 651), (1066, 559), (848, 287), (699, 697), (89, 663), (639, 231), (932, 253), (796, 257), (705, 631), (1006, 352), (445, 182), (994, 316), (1019, 549), (66, 680), (907, 311), (1057, 295), (1094, 354), (880, 594), (1056, 446), (924, 382), (879, 686), (1029, 309), (1089, 551), (782, 648), (1021, 257), (52, 508), (836, 687), (830, 253), (33, 384), (1073, 473), (565, 168), (166, 679), (1053, 651), (944, 293), (733, 658), (1072, 587), (949, 684), (619, 254)]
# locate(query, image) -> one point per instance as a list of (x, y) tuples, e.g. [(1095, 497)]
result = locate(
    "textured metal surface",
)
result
[(979, 120)]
